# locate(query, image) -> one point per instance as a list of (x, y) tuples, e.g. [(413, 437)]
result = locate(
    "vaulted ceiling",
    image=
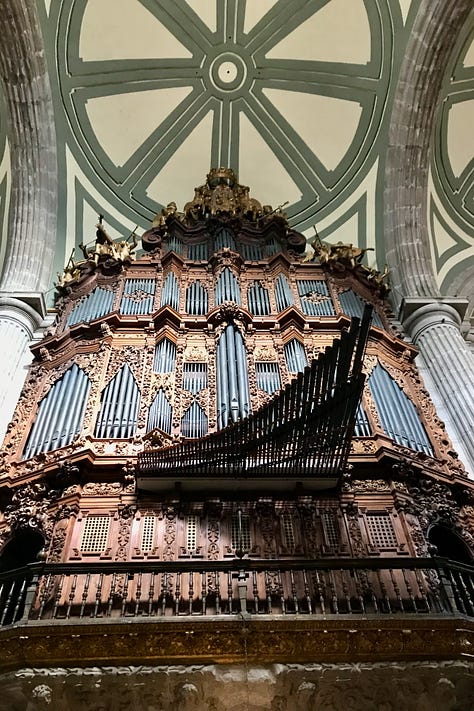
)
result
[(357, 113)]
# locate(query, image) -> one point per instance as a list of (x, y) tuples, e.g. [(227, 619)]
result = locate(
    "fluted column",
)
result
[(32, 140), (18, 324), (434, 326), (32, 215)]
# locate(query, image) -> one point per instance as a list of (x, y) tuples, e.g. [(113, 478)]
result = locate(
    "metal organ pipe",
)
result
[(222, 382), (97, 304), (165, 357), (60, 413), (233, 391), (283, 293), (170, 293), (258, 300), (227, 288), (315, 308), (161, 413), (196, 299), (397, 412), (232, 385)]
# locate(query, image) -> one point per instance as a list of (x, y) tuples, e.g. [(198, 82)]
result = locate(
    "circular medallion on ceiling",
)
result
[(289, 93), (228, 72)]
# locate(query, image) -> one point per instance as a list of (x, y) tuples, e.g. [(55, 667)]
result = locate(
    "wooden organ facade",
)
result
[(214, 428)]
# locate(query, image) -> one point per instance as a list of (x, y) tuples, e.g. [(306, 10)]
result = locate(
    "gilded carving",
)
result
[(102, 488)]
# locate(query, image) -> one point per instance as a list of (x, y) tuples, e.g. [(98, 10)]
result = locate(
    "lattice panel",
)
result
[(191, 532), (288, 530), (381, 531), (95, 534), (331, 528), (245, 542), (148, 533)]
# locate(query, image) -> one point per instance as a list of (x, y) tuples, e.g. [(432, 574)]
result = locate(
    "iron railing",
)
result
[(105, 590)]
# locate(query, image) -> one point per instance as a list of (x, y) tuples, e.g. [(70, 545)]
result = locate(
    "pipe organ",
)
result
[(226, 399)]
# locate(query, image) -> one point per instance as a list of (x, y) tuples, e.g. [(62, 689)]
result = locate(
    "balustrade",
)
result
[(387, 586)]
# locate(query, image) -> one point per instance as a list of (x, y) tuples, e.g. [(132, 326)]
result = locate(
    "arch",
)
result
[(449, 544), (436, 26), (22, 548)]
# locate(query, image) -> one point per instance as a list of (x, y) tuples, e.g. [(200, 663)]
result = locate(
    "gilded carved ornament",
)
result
[(107, 253)]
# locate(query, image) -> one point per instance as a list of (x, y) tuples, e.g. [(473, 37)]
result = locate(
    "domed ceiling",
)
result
[(295, 95)]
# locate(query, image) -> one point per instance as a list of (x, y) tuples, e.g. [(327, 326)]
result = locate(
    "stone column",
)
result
[(31, 233), (18, 323), (434, 327)]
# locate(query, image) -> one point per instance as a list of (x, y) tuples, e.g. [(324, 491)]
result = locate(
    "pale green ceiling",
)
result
[(295, 95)]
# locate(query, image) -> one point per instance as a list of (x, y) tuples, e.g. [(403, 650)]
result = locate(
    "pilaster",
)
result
[(434, 326), (21, 316)]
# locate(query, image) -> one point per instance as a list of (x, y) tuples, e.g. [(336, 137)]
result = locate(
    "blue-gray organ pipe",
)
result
[(122, 403), (251, 252), (232, 386), (224, 238), (118, 414), (198, 252), (306, 287), (60, 413), (130, 305), (194, 422), (233, 392), (283, 293), (194, 377), (160, 414), (170, 292), (242, 374), (165, 356), (258, 300), (196, 299), (272, 247), (362, 427), (63, 393), (227, 288), (295, 356), (77, 411), (174, 245), (397, 413), (222, 383), (353, 305), (97, 304), (268, 377), (68, 411)]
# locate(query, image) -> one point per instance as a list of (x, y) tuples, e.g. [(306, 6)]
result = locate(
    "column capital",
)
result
[(29, 308), (418, 313)]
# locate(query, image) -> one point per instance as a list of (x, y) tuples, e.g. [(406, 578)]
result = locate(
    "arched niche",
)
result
[(449, 544)]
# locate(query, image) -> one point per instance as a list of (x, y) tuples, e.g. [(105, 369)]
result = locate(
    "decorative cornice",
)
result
[(241, 640)]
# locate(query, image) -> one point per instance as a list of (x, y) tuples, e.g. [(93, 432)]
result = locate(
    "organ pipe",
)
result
[(134, 300), (97, 304), (283, 293), (60, 413), (165, 356), (353, 305), (295, 356), (318, 307), (232, 383), (258, 300), (160, 413), (170, 292), (397, 413), (118, 414), (227, 288), (196, 299)]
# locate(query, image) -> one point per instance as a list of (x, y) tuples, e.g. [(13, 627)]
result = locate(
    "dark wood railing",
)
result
[(102, 591)]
